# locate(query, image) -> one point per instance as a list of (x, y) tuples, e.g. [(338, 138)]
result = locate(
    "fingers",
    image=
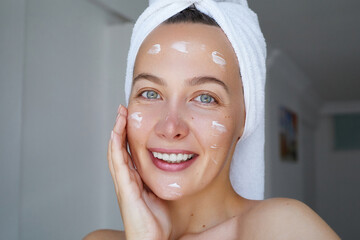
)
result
[(124, 174), (111, 166), (117, 154), (118, 138), (120, 125)]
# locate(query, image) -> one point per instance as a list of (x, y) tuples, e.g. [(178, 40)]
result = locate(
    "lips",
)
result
[(172, 160)]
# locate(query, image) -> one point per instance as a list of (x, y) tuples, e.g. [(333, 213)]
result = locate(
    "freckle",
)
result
[(192, 215), (192, 117), (204, 226)]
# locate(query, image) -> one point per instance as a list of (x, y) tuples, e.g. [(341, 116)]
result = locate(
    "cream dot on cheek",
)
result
[(214, 146), (218, 127), (136, 119), (214, 161)]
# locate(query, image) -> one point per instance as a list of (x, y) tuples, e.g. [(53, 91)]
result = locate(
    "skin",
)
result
[(204, 205)]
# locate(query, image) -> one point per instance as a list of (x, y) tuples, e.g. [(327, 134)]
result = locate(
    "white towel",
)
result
[(241, 26)]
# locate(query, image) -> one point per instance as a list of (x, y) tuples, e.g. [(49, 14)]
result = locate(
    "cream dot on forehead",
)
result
[(218, 58), (181, 46), (155, 49)]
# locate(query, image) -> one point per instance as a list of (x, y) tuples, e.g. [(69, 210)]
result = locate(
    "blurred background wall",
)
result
[(62, 65)]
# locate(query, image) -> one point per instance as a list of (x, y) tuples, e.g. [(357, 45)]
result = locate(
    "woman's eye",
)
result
[(205, 98), (150, 94)]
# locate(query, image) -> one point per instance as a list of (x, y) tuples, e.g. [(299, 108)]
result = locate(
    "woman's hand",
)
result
[(144, 215)]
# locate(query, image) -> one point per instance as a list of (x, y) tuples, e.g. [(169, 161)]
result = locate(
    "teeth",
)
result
[(179, 157), (173, 157)]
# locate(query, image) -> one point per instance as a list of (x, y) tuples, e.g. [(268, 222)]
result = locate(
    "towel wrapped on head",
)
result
[(241, 26)]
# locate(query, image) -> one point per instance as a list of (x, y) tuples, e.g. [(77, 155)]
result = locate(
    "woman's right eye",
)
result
[(150, 94)]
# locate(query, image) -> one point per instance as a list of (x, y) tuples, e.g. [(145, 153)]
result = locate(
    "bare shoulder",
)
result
[(105, 234), (284, 218)]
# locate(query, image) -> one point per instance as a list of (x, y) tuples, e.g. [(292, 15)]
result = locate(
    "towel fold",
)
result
[(241, 26)]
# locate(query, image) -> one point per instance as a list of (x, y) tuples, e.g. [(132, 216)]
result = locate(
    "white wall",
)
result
[(12, 20), (57, 110), (116, 49), (63, 143), (338, 180), (287, 86)]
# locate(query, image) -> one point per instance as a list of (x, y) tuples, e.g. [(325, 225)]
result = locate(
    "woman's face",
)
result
[(186, 106)]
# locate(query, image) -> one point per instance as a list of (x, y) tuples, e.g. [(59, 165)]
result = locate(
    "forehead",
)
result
[(192, 48), (195, 35), (195, 32)]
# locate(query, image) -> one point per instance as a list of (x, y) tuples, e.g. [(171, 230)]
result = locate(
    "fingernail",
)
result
[(123, 111), (117, 117), (112, 134), (119, 108)]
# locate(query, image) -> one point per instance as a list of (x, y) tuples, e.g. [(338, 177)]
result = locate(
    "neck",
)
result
[(213, 205)]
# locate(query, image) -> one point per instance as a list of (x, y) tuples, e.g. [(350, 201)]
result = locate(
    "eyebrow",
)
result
[(207, 79), (192, 82), (150, 78)]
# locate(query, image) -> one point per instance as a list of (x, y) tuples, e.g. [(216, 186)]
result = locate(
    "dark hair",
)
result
[(192, 15)]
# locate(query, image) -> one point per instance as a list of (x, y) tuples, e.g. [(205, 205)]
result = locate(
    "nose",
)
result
[(172, 127)]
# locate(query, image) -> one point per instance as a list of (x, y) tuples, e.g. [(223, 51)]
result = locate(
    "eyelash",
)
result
[(147, 91), (214, 100)]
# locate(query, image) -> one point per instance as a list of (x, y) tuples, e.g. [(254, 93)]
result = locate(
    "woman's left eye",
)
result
[(205, 98), (150, 94)]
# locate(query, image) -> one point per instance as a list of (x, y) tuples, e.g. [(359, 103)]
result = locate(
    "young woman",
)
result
[(185, 116)]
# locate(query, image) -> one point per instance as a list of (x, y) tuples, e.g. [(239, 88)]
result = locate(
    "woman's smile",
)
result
[(172, 160)]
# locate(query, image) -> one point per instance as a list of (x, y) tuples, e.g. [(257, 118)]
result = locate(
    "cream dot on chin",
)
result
[(174, 185)]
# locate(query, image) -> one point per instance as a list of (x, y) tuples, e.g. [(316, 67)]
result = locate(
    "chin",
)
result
[(166, 193), (170, 196), (164, 186)]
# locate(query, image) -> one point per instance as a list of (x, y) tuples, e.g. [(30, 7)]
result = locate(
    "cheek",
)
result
[(140, 122), (135, 119), (213, 130)]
